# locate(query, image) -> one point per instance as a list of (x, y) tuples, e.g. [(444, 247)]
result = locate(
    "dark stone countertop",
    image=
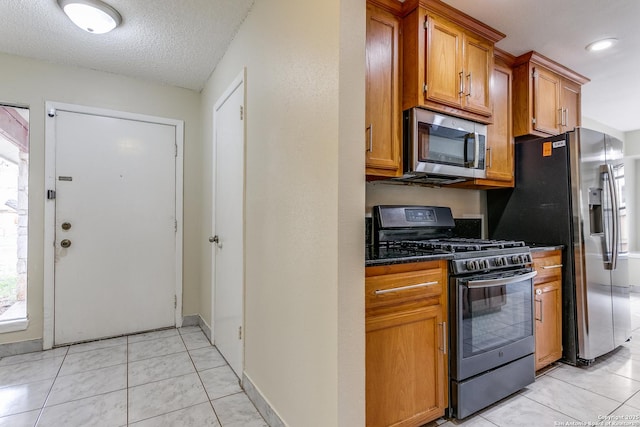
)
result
[(385, 256), (535, 247)]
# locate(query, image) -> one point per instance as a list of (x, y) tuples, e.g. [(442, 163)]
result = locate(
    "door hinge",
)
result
[(175, 301), (241, 112), (534, 74), (533, 120), (176, 151), (426, 24), (240, 332), (175, 225), (51, 194), (424, 87)]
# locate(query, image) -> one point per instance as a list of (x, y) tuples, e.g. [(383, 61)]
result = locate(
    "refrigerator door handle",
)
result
[(615, 216)]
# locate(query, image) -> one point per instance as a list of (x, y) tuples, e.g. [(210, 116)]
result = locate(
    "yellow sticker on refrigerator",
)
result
[(546, 149)]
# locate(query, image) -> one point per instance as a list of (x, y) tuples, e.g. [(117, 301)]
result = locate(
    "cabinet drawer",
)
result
[(396, 288), (548, 264)]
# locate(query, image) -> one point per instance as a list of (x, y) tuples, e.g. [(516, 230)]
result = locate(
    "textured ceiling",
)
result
[(178, 42), (560, 30)]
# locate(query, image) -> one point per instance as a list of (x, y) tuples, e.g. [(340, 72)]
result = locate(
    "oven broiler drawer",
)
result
[(400, 287)]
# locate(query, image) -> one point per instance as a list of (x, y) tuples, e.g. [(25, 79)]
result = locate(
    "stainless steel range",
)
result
[(490, 301)]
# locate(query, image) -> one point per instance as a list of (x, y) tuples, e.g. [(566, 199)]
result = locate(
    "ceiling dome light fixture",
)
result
[(92, 16), (601, 44)]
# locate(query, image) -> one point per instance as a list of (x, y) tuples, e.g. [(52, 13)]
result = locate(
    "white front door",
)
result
[(115, 226), (228, 225)]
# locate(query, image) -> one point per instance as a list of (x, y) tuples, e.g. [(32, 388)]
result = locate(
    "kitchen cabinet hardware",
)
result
[(370, 128), (404, 288), (548, 267), (445, 337)]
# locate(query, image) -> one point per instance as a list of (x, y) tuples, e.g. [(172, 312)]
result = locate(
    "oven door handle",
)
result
[(487, 283)]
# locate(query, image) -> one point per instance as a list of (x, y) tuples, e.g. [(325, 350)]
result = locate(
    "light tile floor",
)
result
[(607, 393), (172, 378)]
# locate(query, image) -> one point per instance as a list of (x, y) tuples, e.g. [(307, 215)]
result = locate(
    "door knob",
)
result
[(66, 225), (65, 243), (215, 239)]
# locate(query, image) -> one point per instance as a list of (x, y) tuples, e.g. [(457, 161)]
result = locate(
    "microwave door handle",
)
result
[(476, 150), (474, 162)]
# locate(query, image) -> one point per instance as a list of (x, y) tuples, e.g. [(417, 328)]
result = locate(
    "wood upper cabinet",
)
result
[(382, 106), (500, 142), (546, 96), (548, 307), (447, 61), (406, 360)]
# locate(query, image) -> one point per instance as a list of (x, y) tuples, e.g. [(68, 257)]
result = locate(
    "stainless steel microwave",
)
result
[(441, 149)]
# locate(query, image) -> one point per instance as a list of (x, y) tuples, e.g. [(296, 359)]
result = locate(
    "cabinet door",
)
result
[(570, 103), (478, 65), (382, 105), (405, 367), (500, 161), (546, 101), (444, 74), (548, 315)]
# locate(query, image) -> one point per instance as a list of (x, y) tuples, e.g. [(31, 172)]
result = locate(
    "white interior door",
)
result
[(228, 225), (115, 207)]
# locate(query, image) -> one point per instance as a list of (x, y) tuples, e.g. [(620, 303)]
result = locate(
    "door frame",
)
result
[(240, 80), (50, 209)]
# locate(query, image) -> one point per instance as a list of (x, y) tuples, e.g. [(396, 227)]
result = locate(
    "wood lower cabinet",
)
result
[(406, 360), (546, 98), (547, 295), (383, 140)]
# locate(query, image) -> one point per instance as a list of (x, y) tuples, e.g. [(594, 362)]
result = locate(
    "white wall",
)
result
[(632, 183), (304, 313), (30, 83)]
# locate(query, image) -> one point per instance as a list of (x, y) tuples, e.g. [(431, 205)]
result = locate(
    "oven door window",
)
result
[(495, 316), (437, 144)]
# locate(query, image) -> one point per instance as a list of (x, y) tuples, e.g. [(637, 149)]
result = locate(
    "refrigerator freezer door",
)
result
[(594, 307)]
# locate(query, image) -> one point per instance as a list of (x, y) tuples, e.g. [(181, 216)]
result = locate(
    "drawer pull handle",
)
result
[(548, 267), (404, 288)]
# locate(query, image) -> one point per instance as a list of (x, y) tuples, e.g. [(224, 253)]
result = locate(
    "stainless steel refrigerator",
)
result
[(569, 190)]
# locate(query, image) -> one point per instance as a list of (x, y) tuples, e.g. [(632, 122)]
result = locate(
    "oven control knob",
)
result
[(515, 259), (472, 265), (499, 262), (484, 264)]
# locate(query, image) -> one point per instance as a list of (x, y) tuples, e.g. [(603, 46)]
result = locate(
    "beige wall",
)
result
[(461, 201), (304, 315), (30, 83)]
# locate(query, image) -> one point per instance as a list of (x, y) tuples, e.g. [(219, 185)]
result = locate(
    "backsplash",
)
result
[(465, 227)]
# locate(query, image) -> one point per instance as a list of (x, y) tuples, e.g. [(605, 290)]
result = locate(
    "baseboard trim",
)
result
[(267, 412), (13, 348), (205, 328), (191, 320)]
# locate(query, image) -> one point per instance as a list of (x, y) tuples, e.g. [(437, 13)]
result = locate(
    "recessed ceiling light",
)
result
[(92, 16), (601, 44)]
